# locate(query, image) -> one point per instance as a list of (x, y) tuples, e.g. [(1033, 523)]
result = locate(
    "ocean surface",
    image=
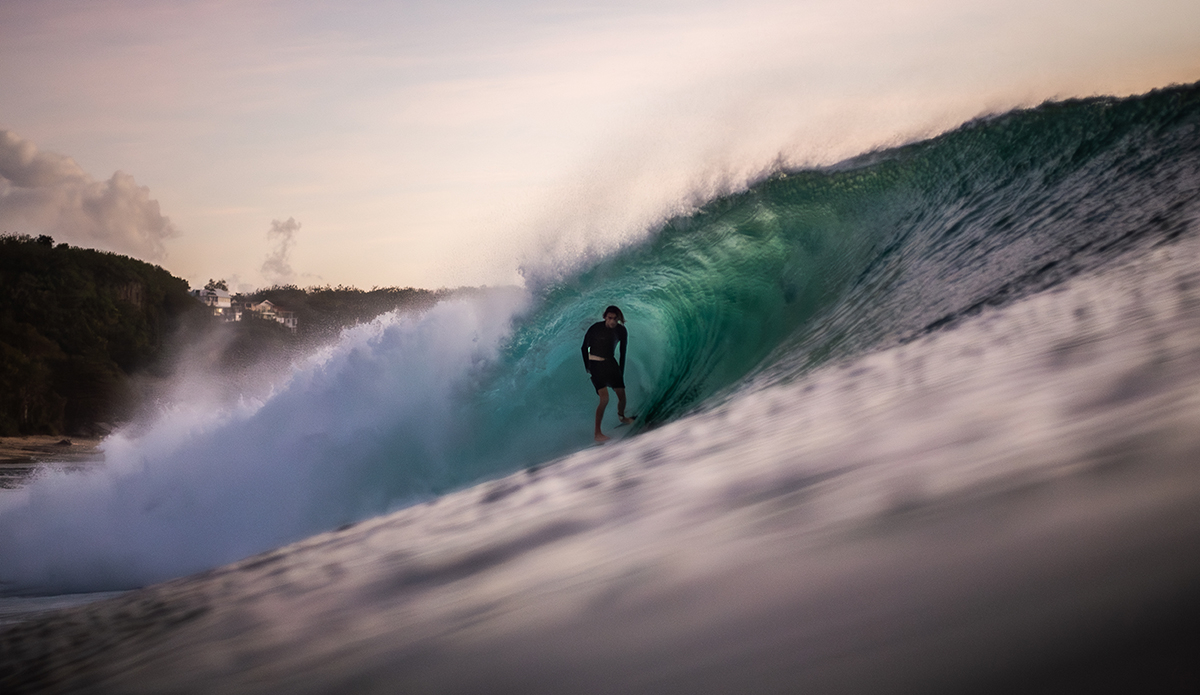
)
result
[(924, 421)]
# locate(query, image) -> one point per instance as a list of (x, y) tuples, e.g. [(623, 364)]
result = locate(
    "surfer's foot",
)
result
[(627, 420), (601, 438)]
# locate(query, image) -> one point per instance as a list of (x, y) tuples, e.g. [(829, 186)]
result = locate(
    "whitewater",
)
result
[(926, 420)]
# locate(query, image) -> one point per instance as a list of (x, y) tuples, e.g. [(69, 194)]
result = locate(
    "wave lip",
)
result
[(812, 266)]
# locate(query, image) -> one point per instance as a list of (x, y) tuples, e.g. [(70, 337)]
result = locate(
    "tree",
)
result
[(216, 285), (72, 336)]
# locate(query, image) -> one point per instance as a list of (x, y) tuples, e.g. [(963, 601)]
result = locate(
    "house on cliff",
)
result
[(220, 302), (268, 310), (225, 307)]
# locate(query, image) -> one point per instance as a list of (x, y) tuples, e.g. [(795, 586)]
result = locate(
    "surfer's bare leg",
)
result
[(621, 407), (603, 393)]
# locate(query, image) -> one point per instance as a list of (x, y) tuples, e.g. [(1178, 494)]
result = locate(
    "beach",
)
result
[(21, 457)]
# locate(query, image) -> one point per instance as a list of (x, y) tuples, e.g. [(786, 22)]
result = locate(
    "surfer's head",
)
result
[(613, 316)]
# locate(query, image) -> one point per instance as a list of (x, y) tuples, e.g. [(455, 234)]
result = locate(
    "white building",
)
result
[(220, 302), (224, 307), (267, 310)]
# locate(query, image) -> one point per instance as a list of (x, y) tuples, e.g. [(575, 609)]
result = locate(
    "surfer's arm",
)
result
[(624, 340), (586, 366)]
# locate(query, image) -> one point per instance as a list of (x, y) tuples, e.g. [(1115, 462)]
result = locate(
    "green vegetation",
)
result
[(86, 336), (322, 312), (74, 324)]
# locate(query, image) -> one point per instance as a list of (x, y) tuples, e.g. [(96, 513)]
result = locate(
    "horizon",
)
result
[(458, 145)]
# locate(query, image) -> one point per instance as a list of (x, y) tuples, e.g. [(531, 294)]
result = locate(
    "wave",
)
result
[(802, 269), (817, 265)]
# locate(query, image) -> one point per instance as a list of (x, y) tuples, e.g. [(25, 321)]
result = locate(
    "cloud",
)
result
[(277, 268), (49, 193)]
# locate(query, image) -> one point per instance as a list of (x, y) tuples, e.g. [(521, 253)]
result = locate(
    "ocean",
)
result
[(926, 420)]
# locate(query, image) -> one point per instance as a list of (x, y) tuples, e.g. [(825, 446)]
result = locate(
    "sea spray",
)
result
[(362, 426)]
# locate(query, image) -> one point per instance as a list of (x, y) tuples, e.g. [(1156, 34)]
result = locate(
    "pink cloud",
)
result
[(49, 193)]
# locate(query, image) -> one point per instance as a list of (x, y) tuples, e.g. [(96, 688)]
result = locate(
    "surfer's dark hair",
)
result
[(614, 310)]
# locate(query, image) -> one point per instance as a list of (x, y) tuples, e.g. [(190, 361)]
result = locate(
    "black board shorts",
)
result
[(606, 374)]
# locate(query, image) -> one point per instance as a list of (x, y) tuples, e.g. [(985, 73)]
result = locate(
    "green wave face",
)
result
[(812, 266), (818, 265)]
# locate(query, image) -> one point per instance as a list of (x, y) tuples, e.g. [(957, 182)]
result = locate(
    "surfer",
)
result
[(599, 346)]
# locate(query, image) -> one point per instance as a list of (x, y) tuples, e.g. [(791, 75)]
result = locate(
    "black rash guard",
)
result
[(602, 341)]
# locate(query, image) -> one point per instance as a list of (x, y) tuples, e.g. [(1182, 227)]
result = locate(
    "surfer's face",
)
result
[(610, 320)]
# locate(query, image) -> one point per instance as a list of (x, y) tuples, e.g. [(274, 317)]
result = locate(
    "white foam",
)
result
[(203, 485)]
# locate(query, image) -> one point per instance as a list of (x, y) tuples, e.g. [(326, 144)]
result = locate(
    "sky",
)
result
[(461, 142)]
